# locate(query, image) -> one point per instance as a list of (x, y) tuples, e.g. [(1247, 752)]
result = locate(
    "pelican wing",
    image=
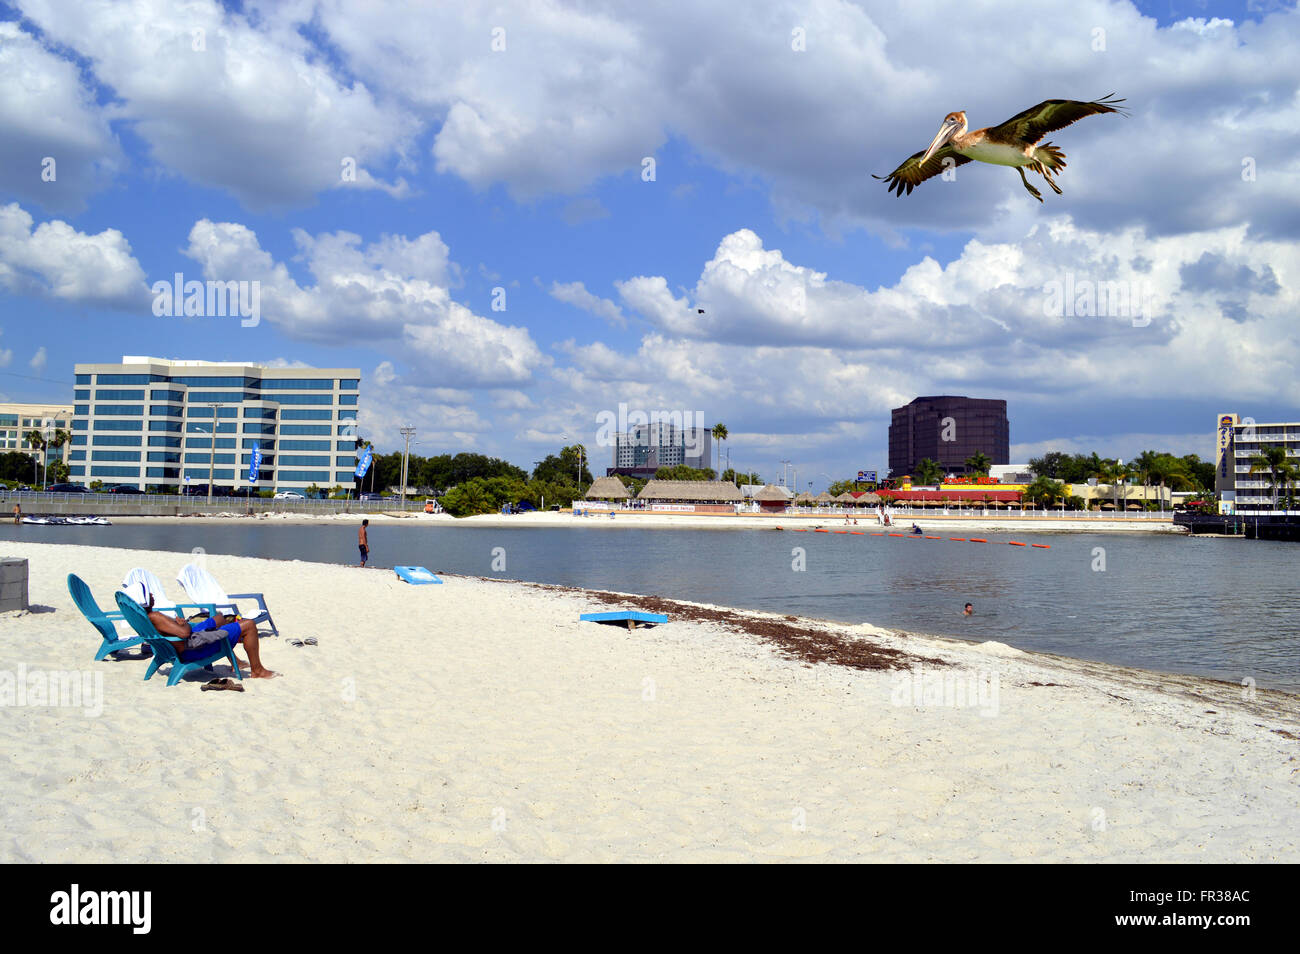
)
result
[(912, 173), (1050, 115)]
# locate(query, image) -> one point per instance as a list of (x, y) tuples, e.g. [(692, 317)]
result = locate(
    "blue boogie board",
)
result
[(415, 574)]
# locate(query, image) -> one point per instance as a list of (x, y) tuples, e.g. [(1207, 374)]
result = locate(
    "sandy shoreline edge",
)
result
[(480, 720)]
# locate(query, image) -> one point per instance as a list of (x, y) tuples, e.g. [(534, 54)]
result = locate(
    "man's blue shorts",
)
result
[(230, 633)]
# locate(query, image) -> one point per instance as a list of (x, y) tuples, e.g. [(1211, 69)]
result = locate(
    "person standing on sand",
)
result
[(18, 514), (363, 542)]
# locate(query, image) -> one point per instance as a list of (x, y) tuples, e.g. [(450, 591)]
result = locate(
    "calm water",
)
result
[(1218, 607)]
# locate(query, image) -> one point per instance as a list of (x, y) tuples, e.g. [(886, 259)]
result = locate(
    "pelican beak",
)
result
[(942, 136)]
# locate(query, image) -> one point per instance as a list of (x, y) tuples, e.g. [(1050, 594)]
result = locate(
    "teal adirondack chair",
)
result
[(166, 651), (105, 623)]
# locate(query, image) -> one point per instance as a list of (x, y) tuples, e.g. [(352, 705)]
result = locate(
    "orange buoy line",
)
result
[(1015, 544), (978, 540), (1042, 546)]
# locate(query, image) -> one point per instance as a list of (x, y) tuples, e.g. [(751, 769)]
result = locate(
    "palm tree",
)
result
[(1273, 459), (1117, 473), (36, 441), (1045, 491), (720, 434), (928, 472), (1169, 470), (979, 463)]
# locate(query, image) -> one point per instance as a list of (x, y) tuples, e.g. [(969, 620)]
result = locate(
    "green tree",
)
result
[(720, 435), (59, 472), (1199, 472), (469, 499), (928, 472), (682, 472), (1168, 471), (1272, 459), (564, 467), (1051, 464), (741, 478), (978, 463), (36, 440), (1045, 491), (13, 465)]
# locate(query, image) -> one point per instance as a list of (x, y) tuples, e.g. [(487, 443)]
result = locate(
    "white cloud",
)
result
[(443, 420), (254, 109), (391, 292), (39, 360), (576, 294), (56, 145), (997, 316), (54, 260)]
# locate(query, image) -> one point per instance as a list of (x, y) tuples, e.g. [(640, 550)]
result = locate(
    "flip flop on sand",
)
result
[(296, 642), (311, 641), (229, 684)]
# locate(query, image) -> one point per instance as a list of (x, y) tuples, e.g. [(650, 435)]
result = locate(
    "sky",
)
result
[(515, 217)]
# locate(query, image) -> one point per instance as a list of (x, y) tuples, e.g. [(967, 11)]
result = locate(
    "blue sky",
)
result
[(209, 139)]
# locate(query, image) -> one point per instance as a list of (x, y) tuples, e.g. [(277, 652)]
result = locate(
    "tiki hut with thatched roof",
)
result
[(805, 499), (847, 498), (703, 496), (607, 488), (823, 498), (772, 499)]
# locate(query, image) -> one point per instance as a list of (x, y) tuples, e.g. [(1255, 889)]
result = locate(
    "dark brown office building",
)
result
[(921, 430)]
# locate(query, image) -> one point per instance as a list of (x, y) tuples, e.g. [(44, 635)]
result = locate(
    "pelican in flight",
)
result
[(1014, 143)]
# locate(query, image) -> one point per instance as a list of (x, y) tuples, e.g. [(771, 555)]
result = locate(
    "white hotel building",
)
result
[(1236, 442), (149, 422)]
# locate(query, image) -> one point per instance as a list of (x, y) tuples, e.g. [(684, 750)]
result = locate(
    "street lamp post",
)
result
[(212, 451), (45, 452), (565, 437), (407, 432)]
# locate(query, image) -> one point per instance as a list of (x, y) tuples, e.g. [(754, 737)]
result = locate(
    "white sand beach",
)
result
[(479, 720)]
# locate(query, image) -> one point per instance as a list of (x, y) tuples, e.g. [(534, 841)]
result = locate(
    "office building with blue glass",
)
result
[(149, 422)]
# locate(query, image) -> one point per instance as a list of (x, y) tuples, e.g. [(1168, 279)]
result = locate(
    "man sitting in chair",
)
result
[(203, 634)]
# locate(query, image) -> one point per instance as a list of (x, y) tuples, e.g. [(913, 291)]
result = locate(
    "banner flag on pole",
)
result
[(254, 463), (364, 464)]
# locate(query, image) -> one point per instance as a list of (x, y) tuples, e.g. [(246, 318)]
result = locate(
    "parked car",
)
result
[(372, 496), (125, 489), (290, 495), (245, 492), (68, 489)]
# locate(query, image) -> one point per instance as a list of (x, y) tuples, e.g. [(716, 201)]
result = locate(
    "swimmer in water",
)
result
[(968, 610)]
